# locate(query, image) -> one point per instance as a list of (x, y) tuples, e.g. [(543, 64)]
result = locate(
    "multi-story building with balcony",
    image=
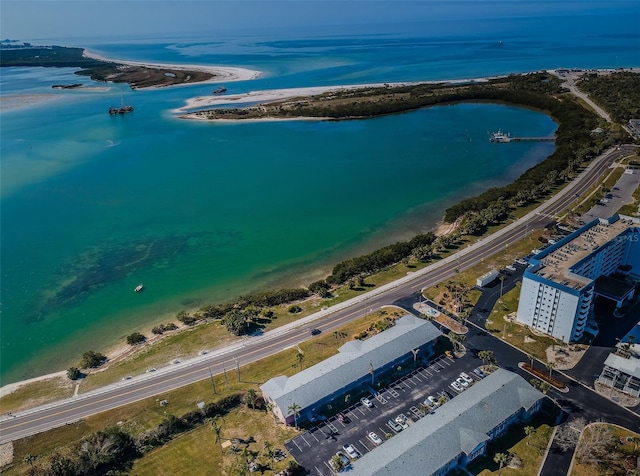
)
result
[(559, 288)]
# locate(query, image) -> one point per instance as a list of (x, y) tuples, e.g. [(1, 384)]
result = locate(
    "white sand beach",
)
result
[(279, 94), (222, 73)]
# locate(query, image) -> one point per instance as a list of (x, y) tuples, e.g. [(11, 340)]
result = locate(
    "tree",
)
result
[(336, 462), (73, 373), (456, 339), (295, 409), (217, 429), (501, 459), (251, 397), (235, 321), (270, 453), (550, 366), (529, 430), (300, 358), (485, 355), (135, 338), (91, 359), (594, 445), (568, 434)]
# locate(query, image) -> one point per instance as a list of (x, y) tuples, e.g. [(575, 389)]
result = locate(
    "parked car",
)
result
[(402, 421), (343, 418), (462, 382), (457, 386), (510, 267), (479, 372), (373, 436), (466, 377), (351, 451), (366, 402), (394, 425), (431, 401)]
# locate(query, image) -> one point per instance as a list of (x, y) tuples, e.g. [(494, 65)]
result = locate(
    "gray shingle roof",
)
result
[(457, 427), (351, 363)]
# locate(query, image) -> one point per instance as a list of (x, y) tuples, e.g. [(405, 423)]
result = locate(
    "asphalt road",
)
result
[(254, 348)]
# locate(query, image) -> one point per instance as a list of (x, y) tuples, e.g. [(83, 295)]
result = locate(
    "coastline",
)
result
[(271, 95), (221, 73)]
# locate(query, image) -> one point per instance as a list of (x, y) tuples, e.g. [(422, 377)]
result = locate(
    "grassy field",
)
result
[(198, 453), (529, 450), (146, 414)]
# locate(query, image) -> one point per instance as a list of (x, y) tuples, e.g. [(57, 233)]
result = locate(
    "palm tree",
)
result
[(300, 358), (529, 430), (530, 357), (295, 409), (251, 397), (501, 459), (484, 355), (270, 453), (456, 339), (216, 430), (550, 367)]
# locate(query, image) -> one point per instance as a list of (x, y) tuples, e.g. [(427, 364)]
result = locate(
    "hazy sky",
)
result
[(27, 20)]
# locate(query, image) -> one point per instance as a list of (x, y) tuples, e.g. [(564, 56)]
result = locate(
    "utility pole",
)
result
[(213, 383)]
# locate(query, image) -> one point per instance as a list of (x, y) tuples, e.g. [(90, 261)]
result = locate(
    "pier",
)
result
[(505, 138)]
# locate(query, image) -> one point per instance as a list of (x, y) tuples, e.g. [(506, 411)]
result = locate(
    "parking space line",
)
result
[(332, 428), (305, 440), (294, 442), (425, 371), (381, 399), (394, 393), (415, 375)]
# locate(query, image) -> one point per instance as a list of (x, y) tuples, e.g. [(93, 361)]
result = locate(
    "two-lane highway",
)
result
[(257, 347)]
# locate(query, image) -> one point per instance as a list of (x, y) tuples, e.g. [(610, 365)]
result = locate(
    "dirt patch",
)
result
[(6, 454)]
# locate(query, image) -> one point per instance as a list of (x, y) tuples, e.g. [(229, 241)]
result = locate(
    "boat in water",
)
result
[(220, 90), (139, 288), (500, 137), (122, 109)]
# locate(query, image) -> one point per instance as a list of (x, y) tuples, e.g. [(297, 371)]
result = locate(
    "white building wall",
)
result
[(548, 309)]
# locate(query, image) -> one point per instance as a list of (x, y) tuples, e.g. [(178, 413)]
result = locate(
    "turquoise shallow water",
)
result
[(93, 204)]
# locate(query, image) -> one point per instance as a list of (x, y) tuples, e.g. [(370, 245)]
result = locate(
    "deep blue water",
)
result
[(94, 204)]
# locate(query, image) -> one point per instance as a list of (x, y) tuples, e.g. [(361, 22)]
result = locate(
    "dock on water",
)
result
[(501, 137)]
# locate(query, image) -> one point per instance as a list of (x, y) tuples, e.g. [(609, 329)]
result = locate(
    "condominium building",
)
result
[(621, 370), (602, 258), (353, 370)]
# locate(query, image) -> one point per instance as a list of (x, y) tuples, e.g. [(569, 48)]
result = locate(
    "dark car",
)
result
[(315, 332), (343, 418)]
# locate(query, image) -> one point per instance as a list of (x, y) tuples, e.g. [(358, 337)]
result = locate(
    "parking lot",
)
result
[(314, 449)]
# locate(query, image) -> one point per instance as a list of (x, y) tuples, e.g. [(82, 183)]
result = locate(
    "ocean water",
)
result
[(92, 204)]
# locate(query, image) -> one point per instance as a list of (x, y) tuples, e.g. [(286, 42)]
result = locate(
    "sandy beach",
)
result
[(222, 73), (270, 95)]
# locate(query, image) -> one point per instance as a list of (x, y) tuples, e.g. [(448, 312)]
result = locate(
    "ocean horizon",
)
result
[(94, 204)]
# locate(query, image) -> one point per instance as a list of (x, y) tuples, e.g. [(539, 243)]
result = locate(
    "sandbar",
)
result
[(221, 73), (270, 95)]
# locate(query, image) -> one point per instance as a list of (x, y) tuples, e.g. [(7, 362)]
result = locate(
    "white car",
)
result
[(466, 377), (366, 402), (373, 436), (457, 386), (431, 401), (402, 421), (462, 382), (351, 451)]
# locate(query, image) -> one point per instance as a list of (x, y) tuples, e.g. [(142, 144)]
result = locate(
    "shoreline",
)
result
[(271, 95), (221, 73)]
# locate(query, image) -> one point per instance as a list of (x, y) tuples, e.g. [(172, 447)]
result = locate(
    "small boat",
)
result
[(123, 109), (220, 90), (139, 288), (500, 137)]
